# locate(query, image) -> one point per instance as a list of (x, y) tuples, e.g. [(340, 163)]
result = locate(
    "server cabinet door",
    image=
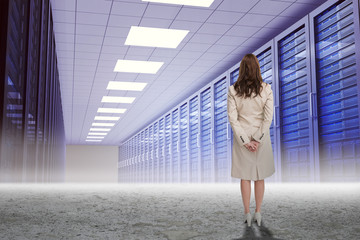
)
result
[(161, 150), (146, 156), (150, 154), (265, 57), (156, 152), (337, 112), (205, 135), (175, 145), (222, 160), (295, 104), (194, 139), (183, 143), (168, 165)]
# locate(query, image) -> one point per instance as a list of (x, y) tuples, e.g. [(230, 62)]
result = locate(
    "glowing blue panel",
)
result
[(174, 145), (294, 105), (193, 139), (337, 92), (205, 134), (222, 160), (184, 147)]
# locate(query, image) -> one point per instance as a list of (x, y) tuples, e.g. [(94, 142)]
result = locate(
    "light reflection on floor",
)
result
[(177, 211)]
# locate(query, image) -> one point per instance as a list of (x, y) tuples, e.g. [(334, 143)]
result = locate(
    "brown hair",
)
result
[(249, 79)]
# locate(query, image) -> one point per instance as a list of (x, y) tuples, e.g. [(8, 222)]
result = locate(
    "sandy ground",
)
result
[(148, 211)]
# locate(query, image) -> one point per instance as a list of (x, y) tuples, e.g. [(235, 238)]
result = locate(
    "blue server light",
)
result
[(337, 91), (184, 143), (161, 151), (205, 135), (194, 139), (167, 154), (156, 152), (221, 158), (294, 115), (175, 145)]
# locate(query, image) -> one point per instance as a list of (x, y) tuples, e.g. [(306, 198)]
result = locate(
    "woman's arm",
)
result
[(235, 124), (268, 117)]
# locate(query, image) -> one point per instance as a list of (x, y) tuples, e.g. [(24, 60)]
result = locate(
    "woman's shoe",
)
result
[(248, 219), (257, 218)]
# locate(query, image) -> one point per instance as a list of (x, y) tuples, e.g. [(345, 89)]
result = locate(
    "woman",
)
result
[(250, 112)]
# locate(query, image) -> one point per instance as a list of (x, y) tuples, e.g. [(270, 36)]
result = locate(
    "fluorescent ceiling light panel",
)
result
[(93, 140), (133, 66), (97, 133), (111, 110), (155, 37), (103, 124), (95, 137), (127, 86), (109, 99), (196, 3), (106, 118), (100, 129)]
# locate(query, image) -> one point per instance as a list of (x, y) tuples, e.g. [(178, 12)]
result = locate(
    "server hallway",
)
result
[(114, 118)]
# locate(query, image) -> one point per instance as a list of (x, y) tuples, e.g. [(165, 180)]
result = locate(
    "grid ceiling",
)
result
[(90, 37)]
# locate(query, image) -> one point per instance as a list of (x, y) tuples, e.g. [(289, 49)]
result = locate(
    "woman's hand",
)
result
[(252, 146)]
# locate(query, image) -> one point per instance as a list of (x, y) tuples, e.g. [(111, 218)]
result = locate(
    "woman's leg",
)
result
[(245, 193), (259, 194)]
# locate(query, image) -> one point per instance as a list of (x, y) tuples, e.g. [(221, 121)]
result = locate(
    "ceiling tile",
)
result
[(255, 20), (117, 31), (186, 25), (298, 10), (242, 31), (162, 11), (62, 16), (269, 7), (130, 8), (64, 38), (155, 22), (281, 22), (97, 40), (64, 28), (225, 17), (92, 18), (93, 6), (214, 28), (194, 14), (123, 21), (231, 40), (81, 47), (90, 30), (196, 47), (68, 5), (237, 6), (204, 38)]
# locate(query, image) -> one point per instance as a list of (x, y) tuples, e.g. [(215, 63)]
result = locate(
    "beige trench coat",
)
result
[(251, 118)]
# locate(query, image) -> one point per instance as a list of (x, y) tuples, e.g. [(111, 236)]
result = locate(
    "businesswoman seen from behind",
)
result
[(250, 113)]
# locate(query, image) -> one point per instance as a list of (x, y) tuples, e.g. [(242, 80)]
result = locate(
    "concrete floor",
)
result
[(126, 211)]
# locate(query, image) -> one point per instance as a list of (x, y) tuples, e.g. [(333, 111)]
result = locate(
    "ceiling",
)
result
[(90, 37)]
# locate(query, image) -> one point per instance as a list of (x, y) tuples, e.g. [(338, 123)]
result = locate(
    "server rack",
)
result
[(175, 145), (221, 157), (205, 135), (194, 139), (265, 55), (168, 165), (184, 143), (333, 31), (150, 154), (161, 151), (295, 97), (156, 153)]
